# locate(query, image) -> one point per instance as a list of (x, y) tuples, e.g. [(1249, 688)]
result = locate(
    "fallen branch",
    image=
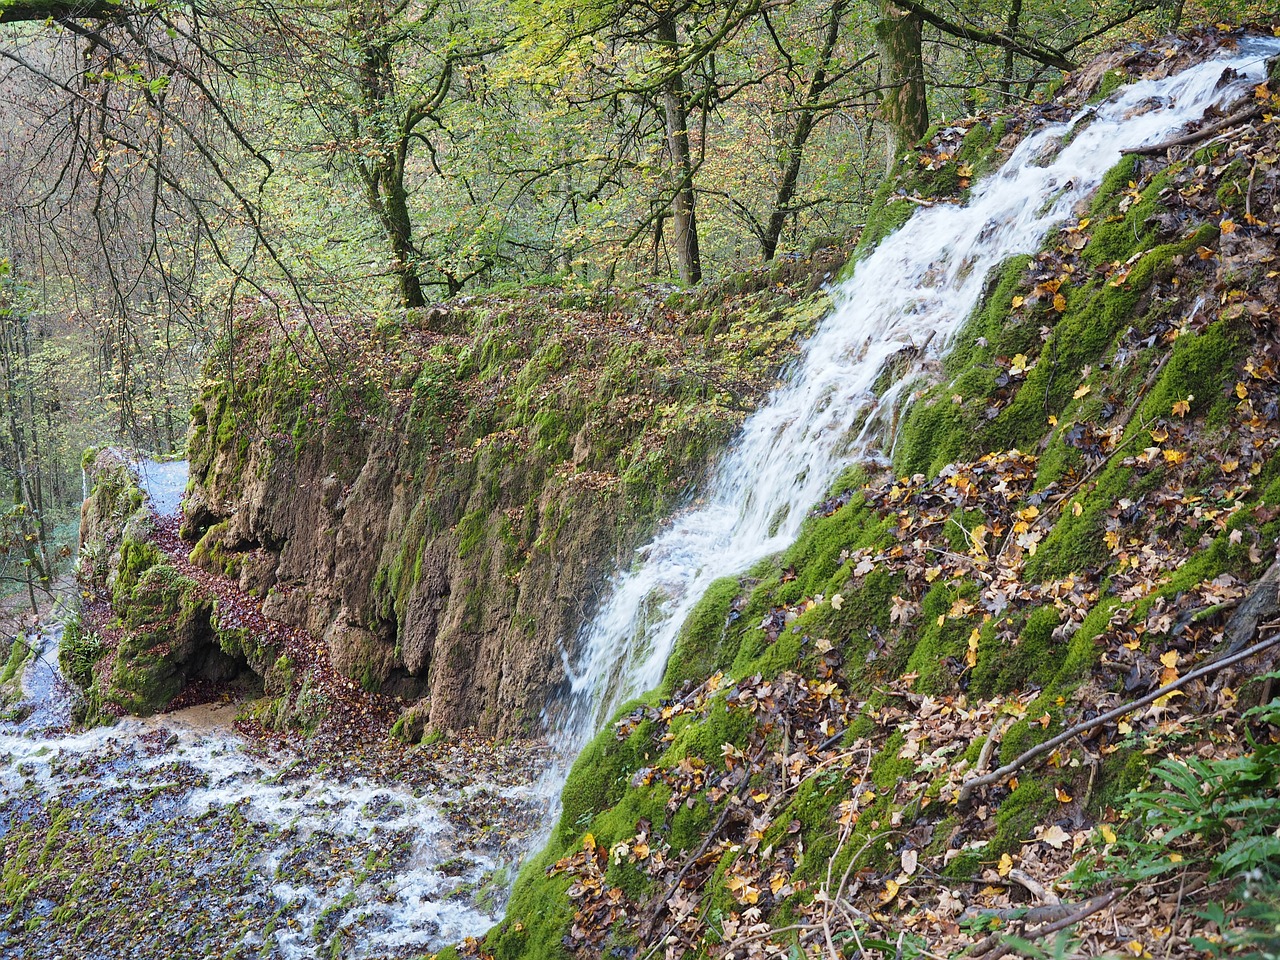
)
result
[(1034, 887), (1204, 133), (994, 946), (1213, 666)]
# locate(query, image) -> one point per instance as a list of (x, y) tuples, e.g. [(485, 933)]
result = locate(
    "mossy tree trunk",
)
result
[(378, 120), (904, 106), (1011, 28)]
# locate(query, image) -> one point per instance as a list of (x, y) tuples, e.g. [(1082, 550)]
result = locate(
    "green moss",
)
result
[(701, 646), (471, 532), (1029, 660), (1018, 816)]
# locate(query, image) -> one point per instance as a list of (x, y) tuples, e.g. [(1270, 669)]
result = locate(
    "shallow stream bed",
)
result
[(176, 836)]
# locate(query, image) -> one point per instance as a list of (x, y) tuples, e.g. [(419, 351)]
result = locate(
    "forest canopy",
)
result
[(165, 164)]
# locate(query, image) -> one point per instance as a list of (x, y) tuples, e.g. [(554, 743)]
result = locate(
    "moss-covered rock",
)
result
[(1007, 591), (159, 632), (442, 512)]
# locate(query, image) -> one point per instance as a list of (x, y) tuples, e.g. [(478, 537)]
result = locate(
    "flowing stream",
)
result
[(915, 289), (175, 836)]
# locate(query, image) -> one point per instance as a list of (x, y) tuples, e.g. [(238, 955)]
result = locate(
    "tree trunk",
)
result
[(1011, 28), (400, 232), (790, 178), (683, 216), (904, 107), (384, 176)]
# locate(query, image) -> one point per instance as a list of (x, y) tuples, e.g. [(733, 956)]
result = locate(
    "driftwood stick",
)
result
[(1213, 666), (1204, 133)]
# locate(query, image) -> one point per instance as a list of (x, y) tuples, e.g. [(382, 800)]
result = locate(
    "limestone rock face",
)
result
[(441, 501), (459, 585)]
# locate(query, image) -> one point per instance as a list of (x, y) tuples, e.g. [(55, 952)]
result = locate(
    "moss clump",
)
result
[(701, 646)]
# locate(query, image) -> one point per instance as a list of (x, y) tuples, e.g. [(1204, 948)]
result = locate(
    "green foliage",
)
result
[(1220, 814), (79, 650)]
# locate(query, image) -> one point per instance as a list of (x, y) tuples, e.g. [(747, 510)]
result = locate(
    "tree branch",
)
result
[(993, 38), (38, 10), (1213, 666)]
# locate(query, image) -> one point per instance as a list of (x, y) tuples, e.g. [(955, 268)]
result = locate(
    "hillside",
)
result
[(917, 729), (1013, 677)]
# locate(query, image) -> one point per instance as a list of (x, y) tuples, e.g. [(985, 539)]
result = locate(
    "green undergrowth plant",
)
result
[(1215, 817)]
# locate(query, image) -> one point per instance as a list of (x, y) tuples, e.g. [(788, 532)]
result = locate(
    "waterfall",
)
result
[(917, 288)]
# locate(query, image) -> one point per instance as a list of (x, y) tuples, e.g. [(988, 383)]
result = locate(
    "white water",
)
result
[(164, 483), (201, 769), (917, 288), (178, 783)]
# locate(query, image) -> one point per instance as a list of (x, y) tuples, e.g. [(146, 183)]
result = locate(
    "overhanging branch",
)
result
[(993, 38)]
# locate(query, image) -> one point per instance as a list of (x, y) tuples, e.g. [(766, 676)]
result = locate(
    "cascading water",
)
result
[(915, 289)]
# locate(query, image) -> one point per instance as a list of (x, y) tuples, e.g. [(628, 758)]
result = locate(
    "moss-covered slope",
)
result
[(1078, 500)]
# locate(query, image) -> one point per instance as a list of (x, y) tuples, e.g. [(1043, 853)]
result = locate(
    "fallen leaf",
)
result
[(1054, 836)]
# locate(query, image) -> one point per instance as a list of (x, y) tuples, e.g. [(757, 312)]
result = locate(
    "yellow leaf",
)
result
[(1076, 508), (1170, 658), (1018, 302), (1174, 456), (1230, 466), (1123, 729), (1053, 421), (1159, 435), (1242, 391), (1227, 226), (891, 889), (1108, 835), (1182, 407), (1059, 303), (1005, 865), (777, 882), (1062, 795), (1175, 858), (1081, 391)]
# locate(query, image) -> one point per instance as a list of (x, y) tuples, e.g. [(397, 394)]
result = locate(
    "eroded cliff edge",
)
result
[(441, 500)]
